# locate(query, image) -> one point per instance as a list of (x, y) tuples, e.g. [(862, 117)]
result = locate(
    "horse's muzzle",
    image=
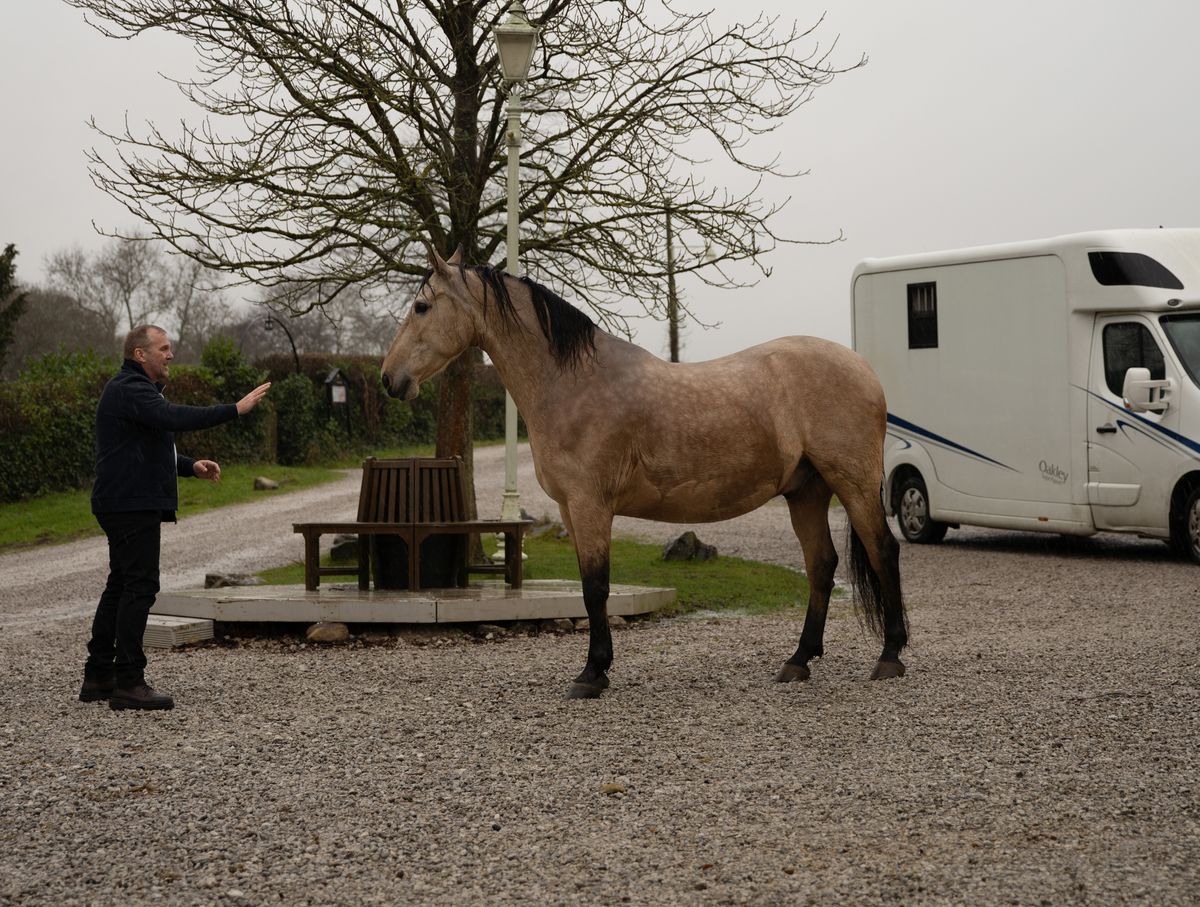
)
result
[(402, 388)]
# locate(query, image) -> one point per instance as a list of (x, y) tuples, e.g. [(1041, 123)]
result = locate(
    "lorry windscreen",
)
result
[(1184, 333), (1131, 269)]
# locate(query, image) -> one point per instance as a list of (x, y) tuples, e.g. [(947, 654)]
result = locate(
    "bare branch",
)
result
[(334, 134)]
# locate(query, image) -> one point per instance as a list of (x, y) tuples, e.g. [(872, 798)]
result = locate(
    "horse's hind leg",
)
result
[(809, 507), (875, 565)]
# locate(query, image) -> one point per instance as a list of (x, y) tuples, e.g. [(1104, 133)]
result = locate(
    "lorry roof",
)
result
[(1178, 249)]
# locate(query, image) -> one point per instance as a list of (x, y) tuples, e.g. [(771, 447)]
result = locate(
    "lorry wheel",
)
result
[(912, 513), (1187, 534)]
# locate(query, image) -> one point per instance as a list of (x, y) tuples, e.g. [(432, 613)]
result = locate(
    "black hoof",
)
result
[(885, 670), (791, 673), (587, 689)]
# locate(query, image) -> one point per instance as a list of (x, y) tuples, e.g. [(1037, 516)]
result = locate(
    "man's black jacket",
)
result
[(136, 461)]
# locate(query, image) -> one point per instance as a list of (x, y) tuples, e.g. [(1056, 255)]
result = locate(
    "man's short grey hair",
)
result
[(139, 338)]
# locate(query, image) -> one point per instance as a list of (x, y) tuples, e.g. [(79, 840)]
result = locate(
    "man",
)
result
[(134, 493)]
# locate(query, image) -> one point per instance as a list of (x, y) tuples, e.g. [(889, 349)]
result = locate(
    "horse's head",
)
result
[(441, 323)]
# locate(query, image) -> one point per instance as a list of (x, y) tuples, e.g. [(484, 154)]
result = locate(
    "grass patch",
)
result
[(724, 584), (67, 515)]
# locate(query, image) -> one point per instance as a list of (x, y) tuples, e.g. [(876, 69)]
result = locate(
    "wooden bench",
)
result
[(412, 499)]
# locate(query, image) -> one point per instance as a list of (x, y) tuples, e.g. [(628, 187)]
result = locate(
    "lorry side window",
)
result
[(922, 316), (1129, 344), (1131, 269), (1184, 333)]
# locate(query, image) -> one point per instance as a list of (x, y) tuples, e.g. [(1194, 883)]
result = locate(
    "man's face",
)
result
[(156, 357)]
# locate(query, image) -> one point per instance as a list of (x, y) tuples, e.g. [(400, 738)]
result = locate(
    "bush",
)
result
[(48, 424), (298, 424), (224, 376)]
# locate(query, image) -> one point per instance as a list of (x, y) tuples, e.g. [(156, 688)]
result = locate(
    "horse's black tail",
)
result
[(868, 588)]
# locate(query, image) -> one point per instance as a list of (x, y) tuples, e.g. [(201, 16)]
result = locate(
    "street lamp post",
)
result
[(516, 39), (269, 322)]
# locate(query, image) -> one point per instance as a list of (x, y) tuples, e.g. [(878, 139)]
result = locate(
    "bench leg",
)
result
[(312, 561), (364, 562), (414, 562), (513, 568)]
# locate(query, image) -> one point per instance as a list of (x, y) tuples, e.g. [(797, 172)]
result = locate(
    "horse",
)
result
[(615, 430)]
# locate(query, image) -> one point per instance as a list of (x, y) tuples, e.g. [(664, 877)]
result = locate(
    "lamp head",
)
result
[(516, 40)]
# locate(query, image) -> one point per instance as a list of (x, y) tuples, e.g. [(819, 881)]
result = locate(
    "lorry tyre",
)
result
[(1187, 533), (912, 512)]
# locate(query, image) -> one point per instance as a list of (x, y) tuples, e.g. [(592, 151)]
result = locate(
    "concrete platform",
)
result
[(484, 601)]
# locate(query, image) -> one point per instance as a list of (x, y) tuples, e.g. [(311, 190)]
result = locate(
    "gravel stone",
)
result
[(1041, 750)]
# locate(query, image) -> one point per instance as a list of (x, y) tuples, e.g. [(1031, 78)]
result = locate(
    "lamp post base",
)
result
[(510, 509)]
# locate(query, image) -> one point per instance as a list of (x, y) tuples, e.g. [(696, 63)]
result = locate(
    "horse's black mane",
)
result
[(570, 333)]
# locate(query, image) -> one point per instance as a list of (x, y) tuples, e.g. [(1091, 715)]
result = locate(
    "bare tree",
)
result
[(133, 281), (192, 299), (357, 127), (53, 322), (116, 284)]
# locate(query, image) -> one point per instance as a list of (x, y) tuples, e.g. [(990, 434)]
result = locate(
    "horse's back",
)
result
[(709, 440)]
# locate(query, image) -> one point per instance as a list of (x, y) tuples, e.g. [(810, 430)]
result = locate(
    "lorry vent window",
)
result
[(1131, 269), (1129, 344), (922, 316)]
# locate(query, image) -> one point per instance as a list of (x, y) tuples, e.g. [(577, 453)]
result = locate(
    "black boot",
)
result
[(140, 696), (95, 688)]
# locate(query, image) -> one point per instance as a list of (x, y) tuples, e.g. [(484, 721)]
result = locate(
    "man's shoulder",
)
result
[(125, 383)]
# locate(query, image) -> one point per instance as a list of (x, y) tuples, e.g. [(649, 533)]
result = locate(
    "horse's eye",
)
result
[(421, 307)]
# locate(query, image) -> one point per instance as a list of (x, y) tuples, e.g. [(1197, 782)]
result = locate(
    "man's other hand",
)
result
[(207, 469)]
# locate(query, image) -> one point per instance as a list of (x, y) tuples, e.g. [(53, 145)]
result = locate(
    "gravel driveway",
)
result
[(1042, 750)]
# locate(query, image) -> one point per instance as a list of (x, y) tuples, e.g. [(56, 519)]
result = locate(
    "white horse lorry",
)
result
[(1050, 385)]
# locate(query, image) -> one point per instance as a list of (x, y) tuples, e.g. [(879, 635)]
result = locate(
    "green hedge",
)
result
[(48, 414), (48, 424)]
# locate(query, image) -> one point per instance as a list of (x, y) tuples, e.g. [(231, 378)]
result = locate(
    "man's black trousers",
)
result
[(115, 649)]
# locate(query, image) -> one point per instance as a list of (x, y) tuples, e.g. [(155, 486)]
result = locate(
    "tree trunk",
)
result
[(455, 430), (672, 298)]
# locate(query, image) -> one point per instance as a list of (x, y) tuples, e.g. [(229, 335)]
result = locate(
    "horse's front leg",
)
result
[(591, 530)]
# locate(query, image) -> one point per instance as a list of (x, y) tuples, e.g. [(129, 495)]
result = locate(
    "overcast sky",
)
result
[(971, 124)]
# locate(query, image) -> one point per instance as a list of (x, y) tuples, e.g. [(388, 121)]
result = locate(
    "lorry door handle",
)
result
[(1106, 429)]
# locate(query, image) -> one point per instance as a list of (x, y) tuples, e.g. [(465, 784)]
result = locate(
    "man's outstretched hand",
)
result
[(207, 469), (251, 399)]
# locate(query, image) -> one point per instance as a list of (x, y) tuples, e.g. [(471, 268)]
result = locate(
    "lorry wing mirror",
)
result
[(1143, 395)]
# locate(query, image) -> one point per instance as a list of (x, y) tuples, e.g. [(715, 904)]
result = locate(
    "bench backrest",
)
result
[(412, 489)]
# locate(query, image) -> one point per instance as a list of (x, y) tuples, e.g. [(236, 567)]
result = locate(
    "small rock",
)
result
[(582, 624), (687, 547), (545, 529), (328, 631), (262, 483), (489, 631), (612, 789), (616, 620), (558, 625), (344, 548), (221, 580)]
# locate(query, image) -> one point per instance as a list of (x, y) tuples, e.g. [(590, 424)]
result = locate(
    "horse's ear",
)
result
[(436, 263), (457, 257)]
